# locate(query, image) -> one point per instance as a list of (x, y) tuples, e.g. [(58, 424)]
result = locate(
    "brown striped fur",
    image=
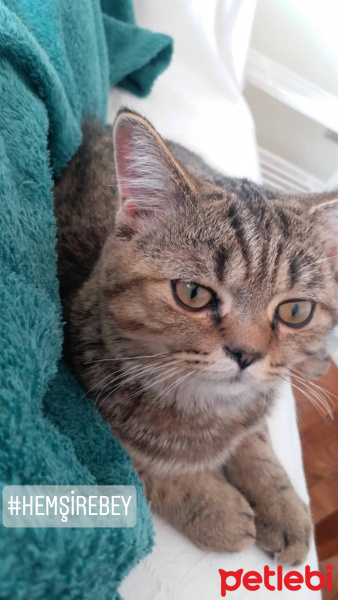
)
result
[(162, 376)]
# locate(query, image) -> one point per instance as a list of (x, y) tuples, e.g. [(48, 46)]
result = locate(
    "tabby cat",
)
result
[(187, 297)]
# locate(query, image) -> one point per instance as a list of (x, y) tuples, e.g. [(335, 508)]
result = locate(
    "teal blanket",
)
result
[(57, 58)]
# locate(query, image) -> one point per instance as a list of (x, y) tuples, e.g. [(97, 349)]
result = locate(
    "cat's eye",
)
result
[(191, 295), (296, 313)]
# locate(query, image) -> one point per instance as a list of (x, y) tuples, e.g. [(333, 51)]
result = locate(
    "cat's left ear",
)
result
[(324, 216), (150, 180)]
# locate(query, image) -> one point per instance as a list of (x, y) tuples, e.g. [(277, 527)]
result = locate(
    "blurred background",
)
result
[(292, 89)]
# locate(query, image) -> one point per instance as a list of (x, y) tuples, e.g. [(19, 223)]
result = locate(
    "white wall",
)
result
[(302, 35), (292, 136)]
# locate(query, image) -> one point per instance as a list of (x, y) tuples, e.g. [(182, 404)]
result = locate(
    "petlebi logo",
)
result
[(275, 580)]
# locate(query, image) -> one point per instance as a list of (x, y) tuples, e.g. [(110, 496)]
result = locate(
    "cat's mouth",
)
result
[(235, 378), (221, 377)]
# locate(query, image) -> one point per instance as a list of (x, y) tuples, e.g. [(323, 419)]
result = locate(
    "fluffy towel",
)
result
[(55, 64)]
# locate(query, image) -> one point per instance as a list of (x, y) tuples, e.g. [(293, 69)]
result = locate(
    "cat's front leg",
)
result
[(205, 508), (283, 521)]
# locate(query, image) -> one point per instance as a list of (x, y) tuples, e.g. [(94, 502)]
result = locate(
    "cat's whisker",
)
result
[(137, 367), (144, 370), (172, 390), (318, 402), (150, 370), (310, 398), (158, 380), (86, 394), (316, 388), (326, 401), (116, 373), (317, 394), (329, 401), (328, 395), (123, 358), (112, 391), (197, 376), (163, 377), (313, 401), (174, 385), (299, 417), (190, 381), (326, 392)]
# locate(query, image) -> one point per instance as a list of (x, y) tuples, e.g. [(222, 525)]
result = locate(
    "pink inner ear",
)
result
[(145, 171), (130, 208), (123, 152), (134, 195)]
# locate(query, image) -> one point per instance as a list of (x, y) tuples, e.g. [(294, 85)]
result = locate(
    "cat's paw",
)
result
[(206, 508), (284, 527), (225, 524)]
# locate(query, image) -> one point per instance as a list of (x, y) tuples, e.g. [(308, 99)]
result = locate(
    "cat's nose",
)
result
[(243, 358)]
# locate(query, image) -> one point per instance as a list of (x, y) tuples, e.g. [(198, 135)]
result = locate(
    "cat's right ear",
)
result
[(149, 178)]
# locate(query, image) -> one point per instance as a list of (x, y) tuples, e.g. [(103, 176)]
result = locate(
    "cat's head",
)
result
[(234, 283)]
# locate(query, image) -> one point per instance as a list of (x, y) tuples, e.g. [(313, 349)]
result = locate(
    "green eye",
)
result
[(296, 313), (191, 295)]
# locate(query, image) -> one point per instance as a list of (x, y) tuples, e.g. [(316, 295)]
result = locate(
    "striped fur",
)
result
[(162, 376)]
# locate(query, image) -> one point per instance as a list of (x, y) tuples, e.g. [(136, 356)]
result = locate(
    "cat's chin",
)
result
[(220, 397), (241, 385), (231, 385)]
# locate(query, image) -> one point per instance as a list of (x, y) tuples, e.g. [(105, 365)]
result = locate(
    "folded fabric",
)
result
[(54, 70), (150, 55)]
